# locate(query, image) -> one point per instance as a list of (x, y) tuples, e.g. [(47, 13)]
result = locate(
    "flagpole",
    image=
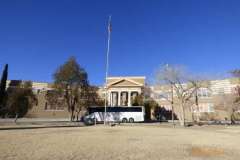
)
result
[(107, 64)]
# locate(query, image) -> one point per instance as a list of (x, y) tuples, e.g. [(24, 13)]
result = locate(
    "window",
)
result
[(134, 95), (221, 91), (205, 107), (114, 98), (162, 95), (124, 98), (54, 101), (204, 92), (59, 106), (114, 109), (210, 107), (103, 95)]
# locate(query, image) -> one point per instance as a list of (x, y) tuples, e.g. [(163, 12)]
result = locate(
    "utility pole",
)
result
[(107, 64), (172, 106)]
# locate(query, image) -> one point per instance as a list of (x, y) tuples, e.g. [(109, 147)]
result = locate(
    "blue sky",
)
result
[(37, 36)]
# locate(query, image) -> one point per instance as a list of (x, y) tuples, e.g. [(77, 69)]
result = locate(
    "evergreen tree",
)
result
[(3, 86)]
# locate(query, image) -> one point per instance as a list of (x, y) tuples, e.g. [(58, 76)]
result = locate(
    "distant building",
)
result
[(212, 99), (121, 91), (43, 109)]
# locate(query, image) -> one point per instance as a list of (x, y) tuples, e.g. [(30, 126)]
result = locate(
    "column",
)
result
[(129, 99), (109, 99), (119, 98)]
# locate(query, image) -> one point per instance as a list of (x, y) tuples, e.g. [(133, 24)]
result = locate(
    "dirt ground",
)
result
[(122, 142)]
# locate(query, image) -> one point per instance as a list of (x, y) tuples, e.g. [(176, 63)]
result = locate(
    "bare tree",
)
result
[(227, 103), (236, 73), (197, 84), (167, 94), (230, 103), (183, 85)]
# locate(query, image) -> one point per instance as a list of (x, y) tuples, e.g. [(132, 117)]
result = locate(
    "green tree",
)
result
[(149, 105), (3, 95), (138, 100), (71, 79), (20, 99)]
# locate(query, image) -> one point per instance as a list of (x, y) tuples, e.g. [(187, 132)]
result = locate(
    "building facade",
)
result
[(42, 109), (121, 91), (212, 100)]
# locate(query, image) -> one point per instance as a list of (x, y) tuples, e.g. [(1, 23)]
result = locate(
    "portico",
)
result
[(121, 91)]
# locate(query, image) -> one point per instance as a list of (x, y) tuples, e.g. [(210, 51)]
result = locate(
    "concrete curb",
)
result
[(38, 127)]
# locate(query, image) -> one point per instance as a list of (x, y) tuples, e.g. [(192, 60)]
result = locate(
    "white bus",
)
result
[(115, 114)]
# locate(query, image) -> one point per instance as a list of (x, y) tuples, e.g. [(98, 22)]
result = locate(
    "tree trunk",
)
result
[(184, 117), (72, 115), (193, 116), (198, 115), (16, 117), (173, 123), (182, 121), (78, 115), (232, 118), (172, 107)]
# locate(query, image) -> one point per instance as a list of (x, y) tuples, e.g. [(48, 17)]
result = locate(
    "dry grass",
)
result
[(121, 142), (205, 151)]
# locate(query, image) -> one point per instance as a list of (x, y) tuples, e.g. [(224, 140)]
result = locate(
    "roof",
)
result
[(126, 81)]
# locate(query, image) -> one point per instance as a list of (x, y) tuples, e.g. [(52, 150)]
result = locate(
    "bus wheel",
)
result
[(124, 120), (131, 120), (89, 121)]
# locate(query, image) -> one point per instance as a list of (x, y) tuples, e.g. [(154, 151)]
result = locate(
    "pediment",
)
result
[(124, 82)]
